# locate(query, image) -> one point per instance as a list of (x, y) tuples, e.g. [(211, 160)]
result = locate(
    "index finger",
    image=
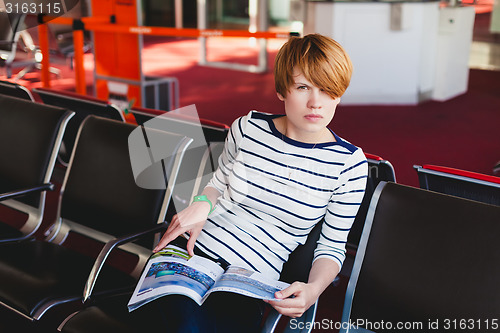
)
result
[(166, 239), (288, 291), (283, 303)]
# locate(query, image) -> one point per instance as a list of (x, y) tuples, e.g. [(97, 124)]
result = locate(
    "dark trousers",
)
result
[(220, 313)]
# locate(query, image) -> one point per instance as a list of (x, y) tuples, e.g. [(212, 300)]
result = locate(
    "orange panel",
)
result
[(104, 52), (102, 89), (126, 12), (127, 59), (117, 54), (134, 92), (102, 7)]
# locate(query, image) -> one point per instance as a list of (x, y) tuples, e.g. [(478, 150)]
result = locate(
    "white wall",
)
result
[(393, 64), (495, 18), (456, 26)]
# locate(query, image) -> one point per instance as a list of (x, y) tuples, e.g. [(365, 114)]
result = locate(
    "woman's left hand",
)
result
[(294, 300), (299, 296)]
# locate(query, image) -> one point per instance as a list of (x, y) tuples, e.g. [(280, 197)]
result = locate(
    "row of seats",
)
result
[(201, 159), (446, 180), (99, 197), (96, 201), (97, 184)]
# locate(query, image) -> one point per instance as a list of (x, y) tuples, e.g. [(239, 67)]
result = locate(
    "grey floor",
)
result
[(485, 48), (485, 55)]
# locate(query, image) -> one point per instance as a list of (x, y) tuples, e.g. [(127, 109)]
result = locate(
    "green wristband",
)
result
[(204, 198)]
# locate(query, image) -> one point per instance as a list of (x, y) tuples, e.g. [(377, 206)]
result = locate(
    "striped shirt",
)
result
[(273, 192)]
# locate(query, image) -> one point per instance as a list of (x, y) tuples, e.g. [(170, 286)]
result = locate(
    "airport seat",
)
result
[(15, 90), (110, 313), (12, 34), (297, 269), (30, 137), (424, 259), (201, 159), (83, 106), (100, 201), (9, 36), (379, 170), (11, 26), (460, 183)]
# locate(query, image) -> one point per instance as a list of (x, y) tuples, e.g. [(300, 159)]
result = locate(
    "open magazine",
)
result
[(173, 271)]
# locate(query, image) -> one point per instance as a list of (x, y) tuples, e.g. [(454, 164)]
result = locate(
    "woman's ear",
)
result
[(281, 98)]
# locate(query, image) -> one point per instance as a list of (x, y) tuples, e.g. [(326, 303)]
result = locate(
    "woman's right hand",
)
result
[(190, 220)]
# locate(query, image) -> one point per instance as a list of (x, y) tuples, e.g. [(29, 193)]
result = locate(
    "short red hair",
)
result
[(322, 60)]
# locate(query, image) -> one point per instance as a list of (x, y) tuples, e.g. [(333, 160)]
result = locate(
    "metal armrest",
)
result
[(271, 321), (18, 193), (106, 250), (303, 324)]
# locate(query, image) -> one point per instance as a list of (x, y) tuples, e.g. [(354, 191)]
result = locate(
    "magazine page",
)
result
[(246, 282), (173, 271)]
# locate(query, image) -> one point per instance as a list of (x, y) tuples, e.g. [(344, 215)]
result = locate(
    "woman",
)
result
[(279, 175)]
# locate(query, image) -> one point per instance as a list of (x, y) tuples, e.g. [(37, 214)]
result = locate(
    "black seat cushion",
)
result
[(30, 271), (111, 315), (9, 232)]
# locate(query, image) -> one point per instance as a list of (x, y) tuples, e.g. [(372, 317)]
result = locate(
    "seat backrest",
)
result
[(299, 262), (201, 159), (30, 137), (378, 170), (423, 257), (83, 106), (100, 198), (213, 131), (29, 133), (15, 90), (460, 183)]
